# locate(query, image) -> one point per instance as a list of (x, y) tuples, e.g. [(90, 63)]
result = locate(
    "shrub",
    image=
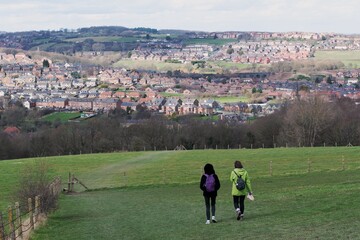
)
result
[(35, 181)]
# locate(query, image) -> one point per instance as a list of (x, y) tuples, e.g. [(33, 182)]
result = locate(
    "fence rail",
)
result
[(19, 220)]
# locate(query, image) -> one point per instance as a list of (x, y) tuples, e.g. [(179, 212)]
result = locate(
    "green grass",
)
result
[(231, 65), (232, 99), (210, 41), (311, 206), (165, 94), (155, 195), (106, 39), (62, 116), (351, 58), (152, 65)]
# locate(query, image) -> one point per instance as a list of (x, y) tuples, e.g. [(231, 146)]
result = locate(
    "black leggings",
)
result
[(239, 203), (207, 204)]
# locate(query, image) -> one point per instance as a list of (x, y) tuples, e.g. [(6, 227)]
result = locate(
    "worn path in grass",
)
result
[(320, 205)]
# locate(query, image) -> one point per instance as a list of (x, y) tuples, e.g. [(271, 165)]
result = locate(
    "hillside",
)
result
[(290, 201)]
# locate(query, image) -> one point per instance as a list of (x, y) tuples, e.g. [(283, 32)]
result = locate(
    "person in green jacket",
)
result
[(239, 196)]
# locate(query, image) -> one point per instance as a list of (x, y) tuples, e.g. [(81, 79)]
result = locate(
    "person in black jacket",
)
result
[(209, 184)]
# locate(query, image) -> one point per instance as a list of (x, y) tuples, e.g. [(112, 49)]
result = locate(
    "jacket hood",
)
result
[(239, 170)]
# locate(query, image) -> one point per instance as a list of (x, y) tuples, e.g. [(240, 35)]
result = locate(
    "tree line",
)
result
[(308, 122)]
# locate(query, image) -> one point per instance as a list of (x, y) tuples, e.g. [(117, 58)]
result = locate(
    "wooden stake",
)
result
[(11, 223), (271, 169), (31, 215), (18, 217), (2, 230)]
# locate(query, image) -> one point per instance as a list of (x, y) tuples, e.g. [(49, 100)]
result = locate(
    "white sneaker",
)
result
[(213, 219), (207, 222)]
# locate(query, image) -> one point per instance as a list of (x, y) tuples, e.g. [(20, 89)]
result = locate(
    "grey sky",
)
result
[(205, 15)]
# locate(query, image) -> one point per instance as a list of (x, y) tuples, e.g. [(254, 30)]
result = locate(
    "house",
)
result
[(106, 104), (80, 104), (157, 104), (52, 103), (172, 105), (129, 105)]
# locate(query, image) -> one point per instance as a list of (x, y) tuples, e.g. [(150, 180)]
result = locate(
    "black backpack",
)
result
[(240, 183)]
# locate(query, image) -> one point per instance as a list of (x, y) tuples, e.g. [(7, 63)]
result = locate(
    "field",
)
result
[(349, 58), (211, 67), (61, 116), (232, 99), (210, 41), (105, 39), (155, 195)]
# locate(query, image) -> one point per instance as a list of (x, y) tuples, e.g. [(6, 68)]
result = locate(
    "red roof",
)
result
[(11, 130)]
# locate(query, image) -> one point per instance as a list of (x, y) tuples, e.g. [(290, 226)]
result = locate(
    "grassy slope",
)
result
[(318, 206), (349, 58), (280, 209)]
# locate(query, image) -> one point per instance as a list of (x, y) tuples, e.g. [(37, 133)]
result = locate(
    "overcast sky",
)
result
[(205, 15)]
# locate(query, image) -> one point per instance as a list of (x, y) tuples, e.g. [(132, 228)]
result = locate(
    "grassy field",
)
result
[(155, 195), (349, 58), (105, 39), (210, 41), (152, 65), (231, 99), (62, 116), (212, 67)]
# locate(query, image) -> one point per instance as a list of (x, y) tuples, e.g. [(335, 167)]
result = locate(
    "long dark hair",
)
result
[(238, 164), (209, 169)]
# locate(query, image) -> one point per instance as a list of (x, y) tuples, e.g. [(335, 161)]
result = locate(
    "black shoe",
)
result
[(238, 216)]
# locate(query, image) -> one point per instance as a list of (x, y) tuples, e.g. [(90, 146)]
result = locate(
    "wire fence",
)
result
[(19, 219)]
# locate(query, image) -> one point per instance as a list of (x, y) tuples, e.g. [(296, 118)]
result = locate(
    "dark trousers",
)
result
[(207, 204), (239, 203)]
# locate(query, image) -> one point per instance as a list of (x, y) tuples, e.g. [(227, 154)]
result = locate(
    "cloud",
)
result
[(207, 15)]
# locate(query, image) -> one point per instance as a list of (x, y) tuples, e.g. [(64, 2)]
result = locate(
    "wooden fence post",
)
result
[(69, 183), (18, 217), (271, 169), (309, 165), (37, 208), (251, 146), (2, 230), (31, 215), (343, 163), (228, 146), (194, 147), (239, 146), (72, 182), (11, 223)]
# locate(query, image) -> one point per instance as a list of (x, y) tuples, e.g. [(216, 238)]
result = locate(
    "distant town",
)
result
[(256, 90)]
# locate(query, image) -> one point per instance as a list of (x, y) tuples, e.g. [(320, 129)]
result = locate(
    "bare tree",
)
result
[(306, 120)]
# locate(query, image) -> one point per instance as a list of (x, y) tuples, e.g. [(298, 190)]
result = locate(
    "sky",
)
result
[(198, 15)]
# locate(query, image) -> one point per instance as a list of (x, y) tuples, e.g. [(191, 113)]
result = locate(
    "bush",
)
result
[(35, 181)]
